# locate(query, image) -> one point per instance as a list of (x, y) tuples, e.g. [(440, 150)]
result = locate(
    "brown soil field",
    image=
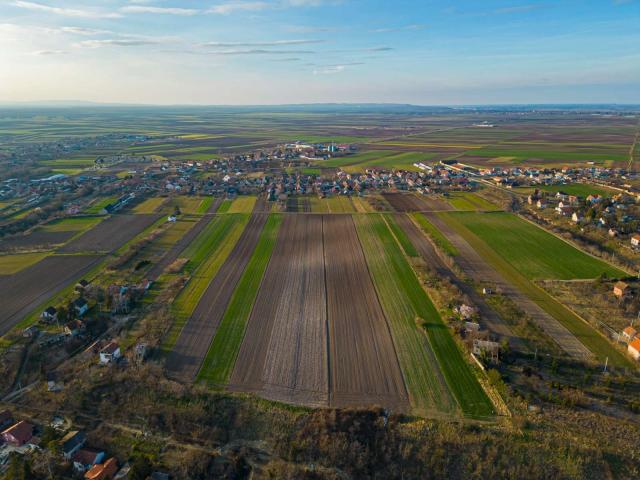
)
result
[(406, 202), (24, 291), (196, 336), (110, 234), (35, 240), (262, 205), (427, 251), (479, 270), (284, 352), (364, 364)]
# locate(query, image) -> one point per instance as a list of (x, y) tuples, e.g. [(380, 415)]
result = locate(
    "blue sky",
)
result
[(300, 51)]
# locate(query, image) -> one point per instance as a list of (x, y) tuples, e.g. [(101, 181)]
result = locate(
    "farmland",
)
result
[(533, 251)]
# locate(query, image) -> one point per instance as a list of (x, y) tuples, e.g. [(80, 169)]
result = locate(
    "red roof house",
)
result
[(18, 434)]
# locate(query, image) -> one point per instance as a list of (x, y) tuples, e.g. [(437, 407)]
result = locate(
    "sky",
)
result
[(223, 52)]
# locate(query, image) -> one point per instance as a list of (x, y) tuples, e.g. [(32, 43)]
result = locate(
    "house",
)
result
[(487, 291), (71, 443), (540, 204), (634, 349), (492, 349), (594, 198), (635, 241), (576, 217), (564, 210), (103, 471), (81, 306), (471, 328), (74, 328), (110, 353), (629, 334), (172, 218), (620, 289), (81, 285), (613, 232), (85, 458), (50, 314), (18, 434), (6, 419)]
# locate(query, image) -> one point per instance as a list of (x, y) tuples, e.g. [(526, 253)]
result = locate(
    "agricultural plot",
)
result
[(24, 291), (284, 352), (570, 332), (97, 207), (533, 251), (110, 234), (191, 205), (578, 189), (437, 376), (71, 224), (38, 239), (242, 204), (10, 264), (193, 343), (364, 364), (150, 205), (407, 202), (339, 204), (221, 357), (469, 201), (318, 205)]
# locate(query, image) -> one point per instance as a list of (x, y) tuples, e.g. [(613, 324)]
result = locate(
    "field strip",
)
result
[(363, 362), (23, 292), (456, 370), (574, 335), (428, 252), (395, 282), (223, 351), (196, 336), (284, 354), (206, 254)]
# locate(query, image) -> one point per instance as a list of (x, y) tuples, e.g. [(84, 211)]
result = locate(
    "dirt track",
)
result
[(192, 345), (24, 291), (284, 353), (110, 234), (489, 318), (407, 202), (478, 269), (364, 365)]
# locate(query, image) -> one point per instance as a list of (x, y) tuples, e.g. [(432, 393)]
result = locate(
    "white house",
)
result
[(110, 353), (635, 240)]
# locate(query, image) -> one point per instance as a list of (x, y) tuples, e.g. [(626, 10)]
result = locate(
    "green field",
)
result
[(469, 201), (533, 251), (206, 255), (432, 364), (388, 159), (436, 235), (10, 264), (223, 351), (242, 204), (339, 204), (224, 206), (578, 189), (318, 205), (205, 204), (401, 236), (96, 207), (595, 342), (150, 205), (521, 154), (71, 224)]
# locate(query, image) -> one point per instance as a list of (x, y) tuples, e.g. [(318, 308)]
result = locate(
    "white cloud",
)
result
[(227, 8), (117, 42), (83, 31), (275, 43), (50, 52), (66, 12), (160, 10)]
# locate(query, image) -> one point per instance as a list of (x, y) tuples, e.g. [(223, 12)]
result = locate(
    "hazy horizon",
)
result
[(283, 52)]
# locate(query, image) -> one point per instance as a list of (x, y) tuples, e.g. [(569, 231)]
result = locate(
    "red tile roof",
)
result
[(21, 432)]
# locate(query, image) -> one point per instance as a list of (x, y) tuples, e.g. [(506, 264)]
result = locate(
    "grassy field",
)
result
[(469, 201), (206, 255), (401, 236), (534, 252), (243, 204), (522, 154), (96, 207), (407, 306), (150, 205), (377, 158), (318, 205), (71, 224), (436, 235), (10, 264), (223, 351), (339, 204), (224, 206), (579, 189), (205, 204), (189, 205), (595, 342)]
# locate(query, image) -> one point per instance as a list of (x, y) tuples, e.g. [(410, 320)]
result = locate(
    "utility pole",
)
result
[(606, 362)]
